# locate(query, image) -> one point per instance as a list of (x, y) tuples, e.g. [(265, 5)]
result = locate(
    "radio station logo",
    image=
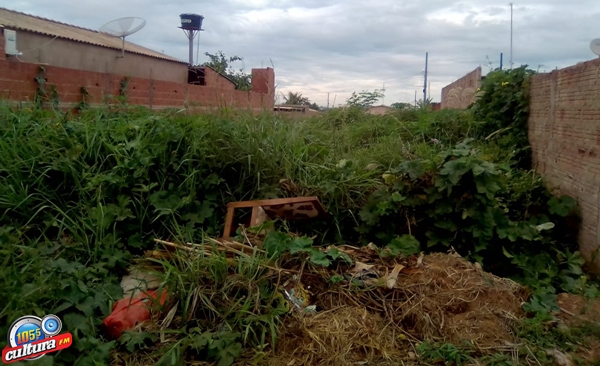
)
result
[(31, 337)]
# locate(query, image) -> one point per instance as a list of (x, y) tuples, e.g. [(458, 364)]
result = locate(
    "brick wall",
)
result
[(216, 80), (461, 93), (17, 83), (2, 46), (564, 133)]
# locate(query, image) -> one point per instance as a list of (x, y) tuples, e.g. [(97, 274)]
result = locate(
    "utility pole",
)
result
[(327, 100), (500, 61), (425, 80), (511, 36)]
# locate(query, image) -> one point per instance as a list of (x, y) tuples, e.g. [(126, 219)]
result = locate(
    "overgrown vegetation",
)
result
[(80, 196), (222, 64)]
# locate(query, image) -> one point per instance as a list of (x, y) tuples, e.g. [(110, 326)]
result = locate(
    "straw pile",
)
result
[(383, 308)]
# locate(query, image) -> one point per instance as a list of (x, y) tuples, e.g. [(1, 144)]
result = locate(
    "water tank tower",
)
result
[(191, 25)]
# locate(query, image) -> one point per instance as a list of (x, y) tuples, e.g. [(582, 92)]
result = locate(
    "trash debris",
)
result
[(393, 277), (298, 296), (138, 281), (560, 358), (128, 312), (403, 300), (363, 275)]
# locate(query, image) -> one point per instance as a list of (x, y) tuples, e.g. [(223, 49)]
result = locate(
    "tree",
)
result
[(401, 105), (365, 98), (424, 104), (296, 99), (222, 64), (314, 106)]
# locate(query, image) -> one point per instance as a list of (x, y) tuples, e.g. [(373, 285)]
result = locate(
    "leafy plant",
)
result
[(365, 98), (222, 64), (446, 353), (503, 106), (276, 243)]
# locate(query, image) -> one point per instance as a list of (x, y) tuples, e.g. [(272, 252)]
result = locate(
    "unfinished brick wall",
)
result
[(2, 46), (564, 133), (17, 83), (461, 93)]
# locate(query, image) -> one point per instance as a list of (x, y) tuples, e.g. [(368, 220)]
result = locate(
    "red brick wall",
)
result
[(17, 83), (263, 80), (216, 80), (461, 93), (2, 54), (564, 133)]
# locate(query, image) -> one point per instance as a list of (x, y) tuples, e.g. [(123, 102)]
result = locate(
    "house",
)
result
[(48, 42), (84, 65), (378, 110)]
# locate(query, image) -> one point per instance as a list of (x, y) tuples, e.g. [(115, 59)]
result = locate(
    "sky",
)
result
[(336, 47)]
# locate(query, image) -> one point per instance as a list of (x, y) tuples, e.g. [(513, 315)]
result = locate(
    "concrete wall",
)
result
[(38, 48), (461, 93), (564, 133)]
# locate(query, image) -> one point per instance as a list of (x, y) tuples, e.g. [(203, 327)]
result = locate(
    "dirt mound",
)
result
[(342, 336), (379, 308), (438, 297)]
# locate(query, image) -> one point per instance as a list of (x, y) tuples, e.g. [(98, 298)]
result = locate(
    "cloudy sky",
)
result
[(340, 46)]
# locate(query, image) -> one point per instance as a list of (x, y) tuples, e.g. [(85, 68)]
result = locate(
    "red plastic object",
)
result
[(128, 312)]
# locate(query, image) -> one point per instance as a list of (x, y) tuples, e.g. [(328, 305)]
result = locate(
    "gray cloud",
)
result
[(341, 46)]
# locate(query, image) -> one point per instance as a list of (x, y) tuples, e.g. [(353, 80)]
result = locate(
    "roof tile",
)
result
[(20, 21)]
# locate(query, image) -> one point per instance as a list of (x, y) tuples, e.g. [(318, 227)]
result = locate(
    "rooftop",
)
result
[(20, 21)]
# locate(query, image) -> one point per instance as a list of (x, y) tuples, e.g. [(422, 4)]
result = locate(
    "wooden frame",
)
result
[(266, 203)]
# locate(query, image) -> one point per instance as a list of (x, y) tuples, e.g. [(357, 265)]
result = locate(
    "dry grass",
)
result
[(437, 297), (341, 336)]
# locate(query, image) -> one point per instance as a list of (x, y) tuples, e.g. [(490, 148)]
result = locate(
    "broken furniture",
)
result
[(290, 209)]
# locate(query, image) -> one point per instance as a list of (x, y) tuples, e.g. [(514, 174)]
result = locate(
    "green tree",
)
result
[(314, 106), (365, 98), (222, 64), (296, 99), (401, 105)]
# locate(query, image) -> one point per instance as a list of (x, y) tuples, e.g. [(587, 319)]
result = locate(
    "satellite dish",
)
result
[(595, 46), (122, 28)]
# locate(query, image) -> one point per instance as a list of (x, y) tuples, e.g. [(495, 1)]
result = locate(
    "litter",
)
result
[(128, 312)]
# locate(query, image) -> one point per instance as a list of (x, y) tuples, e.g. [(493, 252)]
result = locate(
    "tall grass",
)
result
[(80, 195)]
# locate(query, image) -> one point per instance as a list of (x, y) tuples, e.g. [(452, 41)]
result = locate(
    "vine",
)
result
[(41, 92), (503, 108), (83, 104), (123, 89)]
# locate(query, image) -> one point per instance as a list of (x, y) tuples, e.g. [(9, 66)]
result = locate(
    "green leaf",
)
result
[(319, 258), (228, 354), (454, 169), (561, 206), (336, 279), (301, 244), (87, 306), (414, 168), (276, 243), (136, 340), (397, 197), (545, 226), (405, 245), (506, 253)]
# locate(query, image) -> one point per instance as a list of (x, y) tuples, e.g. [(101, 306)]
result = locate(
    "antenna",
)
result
[(122, 28), (191, 25), (595, 46)]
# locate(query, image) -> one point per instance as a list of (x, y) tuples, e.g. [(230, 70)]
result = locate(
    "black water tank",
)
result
[(191, 21)]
